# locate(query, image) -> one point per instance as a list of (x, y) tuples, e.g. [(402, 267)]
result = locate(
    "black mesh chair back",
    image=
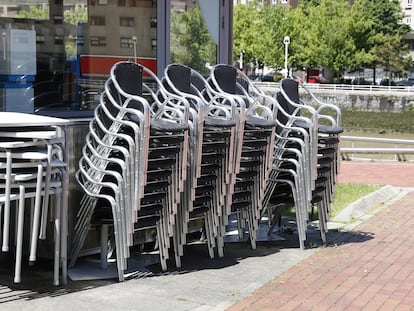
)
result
[(181, 77), (291, 88), (226, 78), (128, 76)]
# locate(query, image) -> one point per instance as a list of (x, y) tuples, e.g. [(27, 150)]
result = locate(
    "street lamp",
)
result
[(286, 41), (241, 59)]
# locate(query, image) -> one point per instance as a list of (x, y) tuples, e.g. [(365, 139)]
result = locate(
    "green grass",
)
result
[(400, 122), (347, 193)]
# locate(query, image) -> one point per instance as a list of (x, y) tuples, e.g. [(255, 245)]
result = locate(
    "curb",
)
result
[(367, 206)]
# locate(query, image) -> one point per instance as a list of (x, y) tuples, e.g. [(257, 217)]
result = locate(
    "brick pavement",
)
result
[(369, 268), (400, 174)]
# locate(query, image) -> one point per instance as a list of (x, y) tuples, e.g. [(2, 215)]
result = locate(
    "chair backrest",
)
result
[(225, 76), (198, 82), (128, 76), (291, 88), (180, 76), (284, 104)]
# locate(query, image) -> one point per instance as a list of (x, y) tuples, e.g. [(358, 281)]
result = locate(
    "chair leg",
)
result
[(36, 218), (104, 246), (19, 244), (57, 235), (6, 217)]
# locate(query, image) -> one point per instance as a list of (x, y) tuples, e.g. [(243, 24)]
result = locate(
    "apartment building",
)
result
[(291, 3), (408, 8)]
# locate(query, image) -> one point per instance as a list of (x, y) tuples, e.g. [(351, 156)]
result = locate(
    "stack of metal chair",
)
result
[(290, 179), (257, 134), (326, 120), (33, 168), (133, 164), (188, 154), (211, 156)]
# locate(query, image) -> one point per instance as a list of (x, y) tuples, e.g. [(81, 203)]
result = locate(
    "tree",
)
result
[(391, 54), (78, 15), (277, 25), (258, 32), (377, 31), (248, 26), (191, 43), (34, 12), (322, 35)]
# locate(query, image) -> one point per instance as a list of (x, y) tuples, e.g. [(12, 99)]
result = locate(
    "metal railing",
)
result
[(400, 148), (347, 89)]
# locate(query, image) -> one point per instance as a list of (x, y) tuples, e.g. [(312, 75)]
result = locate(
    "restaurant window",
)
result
[(67, 57)]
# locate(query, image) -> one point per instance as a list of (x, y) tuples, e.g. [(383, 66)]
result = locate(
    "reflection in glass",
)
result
[(191, 43), (74, 45)]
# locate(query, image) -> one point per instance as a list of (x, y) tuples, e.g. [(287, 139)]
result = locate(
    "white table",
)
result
[(22, 120), (18, 119)]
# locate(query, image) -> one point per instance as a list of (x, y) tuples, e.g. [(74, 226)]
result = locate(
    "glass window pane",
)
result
[(191, 42), (59, 52)]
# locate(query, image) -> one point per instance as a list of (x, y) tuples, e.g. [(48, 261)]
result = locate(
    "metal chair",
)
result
[(328, 133), (211, 152), (148, 138), (32, 167), (257, 148)]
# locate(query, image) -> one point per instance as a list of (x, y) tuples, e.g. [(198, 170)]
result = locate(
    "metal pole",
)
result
[(286, 41), (286, 58)]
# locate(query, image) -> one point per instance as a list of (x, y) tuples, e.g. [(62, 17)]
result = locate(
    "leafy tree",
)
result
[(391, 53), (247, 28), (259, 30), (34, 12), (78, 15), (377, 31), (322, 35), (277, 25), (191, 43)]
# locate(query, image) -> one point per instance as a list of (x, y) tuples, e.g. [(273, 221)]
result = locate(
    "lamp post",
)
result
[(286, 41), (241, 59)]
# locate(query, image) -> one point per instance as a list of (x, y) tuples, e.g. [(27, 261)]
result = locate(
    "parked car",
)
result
[(361, 81), (387, 82), (254, 77), (317, 79), (406, 82), (268, 78)]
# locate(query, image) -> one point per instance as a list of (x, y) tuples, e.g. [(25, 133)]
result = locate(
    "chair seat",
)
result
[(325, 129), (218, 122), (256, 122), (165, 126)]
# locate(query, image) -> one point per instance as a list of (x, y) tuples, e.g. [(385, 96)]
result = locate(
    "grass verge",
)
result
[(347, 193)]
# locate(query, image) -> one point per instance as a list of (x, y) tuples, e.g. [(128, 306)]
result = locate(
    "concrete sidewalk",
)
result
[(372, 263)]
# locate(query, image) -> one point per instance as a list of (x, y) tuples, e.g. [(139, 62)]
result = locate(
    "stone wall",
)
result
[(354, 101)]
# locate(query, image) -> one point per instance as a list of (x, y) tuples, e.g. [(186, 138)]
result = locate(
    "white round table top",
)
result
[(17, 119)]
